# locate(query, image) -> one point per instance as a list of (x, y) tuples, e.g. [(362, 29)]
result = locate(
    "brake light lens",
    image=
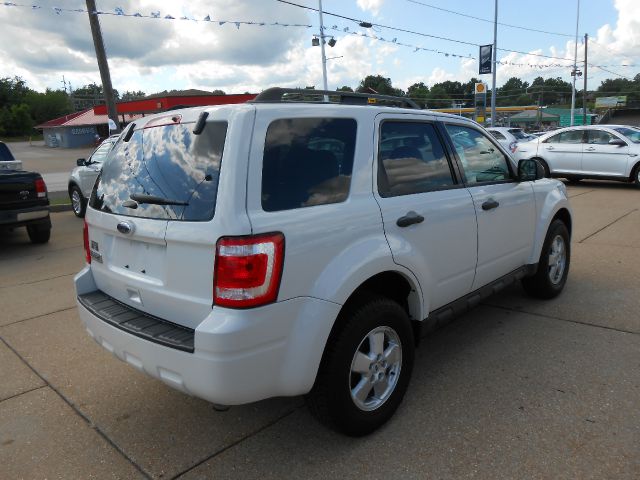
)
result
[(247, 270), (85, 235), (41, 188)]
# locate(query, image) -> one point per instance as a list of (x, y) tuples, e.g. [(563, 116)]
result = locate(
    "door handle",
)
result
[(590, 149), (409, 219), (490, 204)]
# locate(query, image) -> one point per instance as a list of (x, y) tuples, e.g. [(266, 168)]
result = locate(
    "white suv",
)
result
[(278, 247)]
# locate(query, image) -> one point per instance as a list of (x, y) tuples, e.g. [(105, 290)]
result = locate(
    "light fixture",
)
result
[(332, 42), (315, 41)]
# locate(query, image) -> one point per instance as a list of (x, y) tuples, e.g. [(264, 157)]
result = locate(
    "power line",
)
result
[(488, 20), (397, 29), (609, 71)]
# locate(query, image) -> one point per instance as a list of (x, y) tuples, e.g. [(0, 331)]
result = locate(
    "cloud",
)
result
[(372, 6)]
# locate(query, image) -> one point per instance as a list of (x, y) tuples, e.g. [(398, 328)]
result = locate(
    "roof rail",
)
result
[(293, 95)]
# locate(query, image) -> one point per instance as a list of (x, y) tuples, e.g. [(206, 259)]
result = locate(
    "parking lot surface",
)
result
[(517, 388)]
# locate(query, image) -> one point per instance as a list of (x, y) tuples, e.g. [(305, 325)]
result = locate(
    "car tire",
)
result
[(635, 176), (365, 368), (545, 166), (39, 234), (553, 267), (78, 203)]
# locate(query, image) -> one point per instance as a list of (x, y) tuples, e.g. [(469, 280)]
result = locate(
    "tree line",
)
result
[(21, 108)]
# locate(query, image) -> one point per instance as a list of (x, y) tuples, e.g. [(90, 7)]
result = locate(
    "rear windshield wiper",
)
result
[(143, 198)]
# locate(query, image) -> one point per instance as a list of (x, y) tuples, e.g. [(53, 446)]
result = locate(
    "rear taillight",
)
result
[(247, 270), (85, 235), (41, 188)]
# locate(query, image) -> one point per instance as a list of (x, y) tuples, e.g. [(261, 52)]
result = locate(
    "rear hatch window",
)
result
[(171, 173), (5, 153)]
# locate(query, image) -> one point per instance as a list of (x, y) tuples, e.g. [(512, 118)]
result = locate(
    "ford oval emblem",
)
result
[(125, 227)]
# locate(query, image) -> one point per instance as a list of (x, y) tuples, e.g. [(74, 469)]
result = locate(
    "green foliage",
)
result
[(48, 105), (345, 88), (379, 84), (128, 96)]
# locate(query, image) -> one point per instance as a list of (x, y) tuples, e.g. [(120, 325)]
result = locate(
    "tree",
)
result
[(419, 93), (48, 105), (438, 97), (345, 88), (218, 92), (128, 96), (379, 84)]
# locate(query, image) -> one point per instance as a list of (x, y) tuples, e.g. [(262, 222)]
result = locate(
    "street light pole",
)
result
[(575, 68), (324, 58), (493, 67)]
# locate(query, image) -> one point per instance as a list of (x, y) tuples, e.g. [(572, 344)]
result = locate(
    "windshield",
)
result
[(165, 172), (631, 133), (520, 135), (101, 152)]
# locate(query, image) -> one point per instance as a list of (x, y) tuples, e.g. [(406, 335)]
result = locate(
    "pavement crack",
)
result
[(608, 225), (79, 412), (39, 316), (237, 442), (22, 393), (36, 281), (550, 317), (581, 193)]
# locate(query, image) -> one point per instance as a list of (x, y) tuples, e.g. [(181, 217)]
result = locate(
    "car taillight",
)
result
[(247, 270), (41, 188), (85, 235)]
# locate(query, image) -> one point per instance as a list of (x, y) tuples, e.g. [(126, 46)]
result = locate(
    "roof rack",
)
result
[(299, 95)]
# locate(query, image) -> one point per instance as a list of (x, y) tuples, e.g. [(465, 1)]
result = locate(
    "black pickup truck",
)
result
[(23, 199)]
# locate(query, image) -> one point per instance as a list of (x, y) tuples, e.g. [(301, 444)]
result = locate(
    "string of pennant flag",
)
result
[(343, 31)]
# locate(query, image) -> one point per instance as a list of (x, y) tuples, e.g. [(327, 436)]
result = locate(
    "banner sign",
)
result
[(608, 102), (486, 53)]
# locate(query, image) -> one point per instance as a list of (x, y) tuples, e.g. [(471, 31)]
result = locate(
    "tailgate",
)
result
[(17, 190)]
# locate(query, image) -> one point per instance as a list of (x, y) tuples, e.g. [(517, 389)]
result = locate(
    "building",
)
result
[(80, 129)]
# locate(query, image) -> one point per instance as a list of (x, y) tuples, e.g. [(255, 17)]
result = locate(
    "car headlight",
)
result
[(562, 187)]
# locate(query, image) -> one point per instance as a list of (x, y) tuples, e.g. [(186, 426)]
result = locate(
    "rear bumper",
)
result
[(24, 216), (239, 356)]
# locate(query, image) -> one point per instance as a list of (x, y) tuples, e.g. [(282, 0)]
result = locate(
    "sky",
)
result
[(43, 45)]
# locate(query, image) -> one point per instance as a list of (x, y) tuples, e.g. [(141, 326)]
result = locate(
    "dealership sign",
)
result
[(609, 102), (486, 52)]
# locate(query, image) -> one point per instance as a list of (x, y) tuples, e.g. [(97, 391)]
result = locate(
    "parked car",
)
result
[(84, 175), (23, 199), (7, 160), (607, 152), (278, 248), (510, 137)]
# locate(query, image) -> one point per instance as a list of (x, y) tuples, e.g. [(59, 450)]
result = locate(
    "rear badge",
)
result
[(96, 256), (125, 227)]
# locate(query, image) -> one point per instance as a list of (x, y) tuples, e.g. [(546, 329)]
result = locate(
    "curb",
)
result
[(65, 207)]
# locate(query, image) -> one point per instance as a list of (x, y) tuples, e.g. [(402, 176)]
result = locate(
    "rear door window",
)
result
[(497, 135), (166, 161), (307, 162), (5, 153), (572, 136)]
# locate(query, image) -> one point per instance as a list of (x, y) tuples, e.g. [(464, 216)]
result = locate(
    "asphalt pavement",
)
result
[(517, 388)]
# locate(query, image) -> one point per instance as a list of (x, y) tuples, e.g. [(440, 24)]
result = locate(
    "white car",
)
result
[(606, 152), (274, 248), (83, 177), (510, 137), (7, 160)]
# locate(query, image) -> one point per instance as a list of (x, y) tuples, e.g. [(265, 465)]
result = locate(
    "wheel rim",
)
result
[(76, 201), (375, 368), (557, 259)]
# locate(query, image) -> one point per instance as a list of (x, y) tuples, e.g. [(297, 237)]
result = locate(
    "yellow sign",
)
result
[(479, 119), (372, 100), (481, 88)]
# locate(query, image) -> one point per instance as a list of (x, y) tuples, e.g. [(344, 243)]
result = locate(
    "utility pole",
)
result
[(324, 57), (575, 68), (101, 56), (493, 66), (584, 95)]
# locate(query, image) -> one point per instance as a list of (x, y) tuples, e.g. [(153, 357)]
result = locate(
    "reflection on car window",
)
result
[(599, 137), (307, 162), (167, 161), (481, 160), (411, 159), (571, 136), (630, 133), (519, 134)]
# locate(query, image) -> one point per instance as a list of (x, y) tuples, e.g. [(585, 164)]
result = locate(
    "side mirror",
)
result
[(618, 141), (81, 162), (530, 170)]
